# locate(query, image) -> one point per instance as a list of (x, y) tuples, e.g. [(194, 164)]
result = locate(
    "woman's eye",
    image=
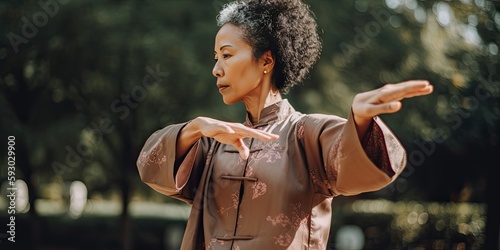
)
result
[(225, 56)]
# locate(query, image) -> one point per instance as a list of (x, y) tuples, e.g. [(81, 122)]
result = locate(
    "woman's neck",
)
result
[(254, 109)]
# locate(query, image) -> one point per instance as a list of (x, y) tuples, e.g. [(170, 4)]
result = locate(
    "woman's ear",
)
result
[(268, 61)]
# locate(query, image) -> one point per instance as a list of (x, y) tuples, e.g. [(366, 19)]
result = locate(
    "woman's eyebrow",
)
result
[(227, 45), (224, 46)]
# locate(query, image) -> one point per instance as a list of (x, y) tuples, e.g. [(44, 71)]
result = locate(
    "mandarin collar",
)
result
[(273, 113)]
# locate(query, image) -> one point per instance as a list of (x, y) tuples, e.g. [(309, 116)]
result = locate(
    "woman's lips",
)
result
[(222, 87)]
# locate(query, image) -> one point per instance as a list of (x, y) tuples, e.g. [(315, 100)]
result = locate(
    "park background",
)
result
[(84, 83)]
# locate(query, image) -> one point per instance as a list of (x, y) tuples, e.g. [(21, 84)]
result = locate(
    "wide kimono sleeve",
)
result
[(346, 165), (158, 168)]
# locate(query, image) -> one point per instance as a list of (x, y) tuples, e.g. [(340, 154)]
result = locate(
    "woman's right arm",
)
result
[(157, 161), (167, 158)]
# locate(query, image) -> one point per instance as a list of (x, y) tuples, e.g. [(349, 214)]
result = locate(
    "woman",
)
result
[(268, 183)]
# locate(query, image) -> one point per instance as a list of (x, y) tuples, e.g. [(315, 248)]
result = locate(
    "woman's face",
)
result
[(239, 74)]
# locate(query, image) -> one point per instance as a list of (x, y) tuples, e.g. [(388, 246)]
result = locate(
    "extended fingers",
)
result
[(396, 92), (420, 92), (255, 133), (388, 98), (265, 136)]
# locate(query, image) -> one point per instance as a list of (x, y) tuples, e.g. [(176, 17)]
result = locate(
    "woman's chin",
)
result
[(228, 101)]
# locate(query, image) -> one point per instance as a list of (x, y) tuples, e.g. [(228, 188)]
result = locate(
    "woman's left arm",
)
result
[(384, 100), (375, 159)]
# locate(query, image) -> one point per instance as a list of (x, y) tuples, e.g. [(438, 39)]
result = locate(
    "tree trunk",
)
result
[(24, 163)]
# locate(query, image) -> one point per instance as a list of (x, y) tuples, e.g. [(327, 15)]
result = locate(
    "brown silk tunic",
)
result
[(280, 198)]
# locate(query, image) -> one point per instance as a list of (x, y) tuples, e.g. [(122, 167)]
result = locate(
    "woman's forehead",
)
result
[(229, 34)]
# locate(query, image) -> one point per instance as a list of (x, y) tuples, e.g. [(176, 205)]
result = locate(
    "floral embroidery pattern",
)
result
[(374, 145), (335, 156), (259, 189), (300, 131), (290, 224), (318, 180), (249, 171), (271, 152), (155, 157), (212, 242), (315, 176), (235, 198), (215, 242), (281, 219), (239, 222), (283, 240)]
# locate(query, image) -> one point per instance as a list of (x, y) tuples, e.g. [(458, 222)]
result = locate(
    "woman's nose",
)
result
[(217, 70)]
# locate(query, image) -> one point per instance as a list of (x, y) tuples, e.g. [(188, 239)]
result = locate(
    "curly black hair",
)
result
[(287, 28)]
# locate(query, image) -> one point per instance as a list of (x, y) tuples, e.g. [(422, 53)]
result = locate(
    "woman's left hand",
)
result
[(385, 100)]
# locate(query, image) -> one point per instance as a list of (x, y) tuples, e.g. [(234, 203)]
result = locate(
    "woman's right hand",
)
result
[(230, 133)]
